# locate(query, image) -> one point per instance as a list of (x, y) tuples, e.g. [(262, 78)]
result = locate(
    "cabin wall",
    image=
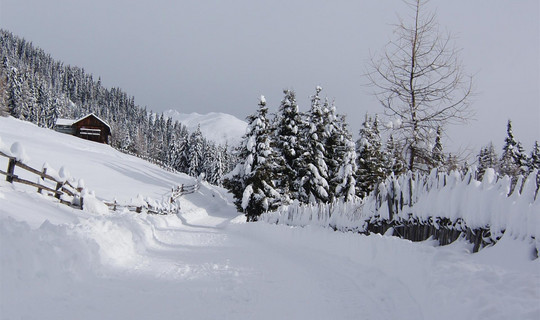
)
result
[(92, 129)]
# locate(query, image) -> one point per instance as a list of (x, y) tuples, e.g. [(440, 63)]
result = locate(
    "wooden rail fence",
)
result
[(64, 191), (67, 194), (170, 207)]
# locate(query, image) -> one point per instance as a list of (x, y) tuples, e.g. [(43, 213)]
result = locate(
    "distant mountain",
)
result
[(215, 126)]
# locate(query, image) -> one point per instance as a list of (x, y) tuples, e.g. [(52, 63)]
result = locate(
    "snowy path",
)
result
[(206, 266), (61, 263)]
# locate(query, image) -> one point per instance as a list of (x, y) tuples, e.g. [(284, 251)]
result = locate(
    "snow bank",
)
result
[(50, 252), (93, 205)]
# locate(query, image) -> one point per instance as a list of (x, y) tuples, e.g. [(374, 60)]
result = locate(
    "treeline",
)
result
[(310, 158), (34, 87)]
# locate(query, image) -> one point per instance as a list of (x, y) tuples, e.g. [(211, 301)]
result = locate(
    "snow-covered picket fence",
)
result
[(441, 205)]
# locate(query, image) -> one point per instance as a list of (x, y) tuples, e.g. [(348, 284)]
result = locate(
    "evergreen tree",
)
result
[(513, 160), (487, 158), (437, 154), (371, 161), (196, 155), (394, 162), (343, 153), (182, 160), (287, 144), (252, 181), (452, 163), (534, 159), (3, 90), (534, 163), (312, 164)]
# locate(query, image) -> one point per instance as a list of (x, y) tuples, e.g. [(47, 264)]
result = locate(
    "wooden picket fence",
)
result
[(441, 206), (72, 196)]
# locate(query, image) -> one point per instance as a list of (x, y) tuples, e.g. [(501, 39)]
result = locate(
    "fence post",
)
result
[(11, 170), (58, 192), (42, 178)]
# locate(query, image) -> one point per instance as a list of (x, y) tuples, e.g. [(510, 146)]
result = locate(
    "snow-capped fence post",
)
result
[(58, 188), (42, 178)]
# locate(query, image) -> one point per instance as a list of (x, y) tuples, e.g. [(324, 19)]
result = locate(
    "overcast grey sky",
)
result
[(203, 56)]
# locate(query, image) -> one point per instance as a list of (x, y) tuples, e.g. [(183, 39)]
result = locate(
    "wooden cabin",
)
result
[(89, 127)]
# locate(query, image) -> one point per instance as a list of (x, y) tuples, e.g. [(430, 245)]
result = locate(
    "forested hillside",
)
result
[(37, 88)]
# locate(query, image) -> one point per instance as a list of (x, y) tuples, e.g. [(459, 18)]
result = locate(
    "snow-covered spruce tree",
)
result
[(342, 157), (371, 160), (437, 155), (212, 165), (13, 87), (28, 100), (3, 91), (287, 125), (487, 158), (252, 181), (534, 159), (217, 168), (394, 162), (313, 171), (534, 163), (182, 160), (452, 163), (196, 149), (513, 159)]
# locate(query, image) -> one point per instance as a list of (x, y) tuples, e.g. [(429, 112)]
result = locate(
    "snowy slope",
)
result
[(216, 126), (205, 263)]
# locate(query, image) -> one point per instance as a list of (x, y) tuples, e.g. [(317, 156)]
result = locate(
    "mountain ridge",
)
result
[(219, 127)]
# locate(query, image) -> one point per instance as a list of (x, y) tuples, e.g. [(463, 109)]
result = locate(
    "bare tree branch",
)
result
[(419, 79)]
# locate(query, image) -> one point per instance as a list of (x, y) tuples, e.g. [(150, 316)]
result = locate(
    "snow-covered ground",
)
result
[(216, 126), (206, 263)]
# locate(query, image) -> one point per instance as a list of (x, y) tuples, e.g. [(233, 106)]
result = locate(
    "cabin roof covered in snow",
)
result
[(69, 122), (64, 122)]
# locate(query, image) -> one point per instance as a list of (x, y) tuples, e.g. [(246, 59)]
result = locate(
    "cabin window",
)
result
[(90, 132)]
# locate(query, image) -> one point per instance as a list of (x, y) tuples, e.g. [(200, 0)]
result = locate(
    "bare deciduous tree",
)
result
[(420, 83)]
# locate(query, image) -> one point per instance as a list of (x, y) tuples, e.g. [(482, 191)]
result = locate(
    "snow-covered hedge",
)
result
[(450, 200)]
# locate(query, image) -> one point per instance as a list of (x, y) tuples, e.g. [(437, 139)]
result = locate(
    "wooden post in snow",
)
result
[(42, 179), (58, 192), (10, 170)]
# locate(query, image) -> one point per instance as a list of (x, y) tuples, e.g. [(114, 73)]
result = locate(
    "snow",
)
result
[(57, 262), (218, 127), (17, 151)]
